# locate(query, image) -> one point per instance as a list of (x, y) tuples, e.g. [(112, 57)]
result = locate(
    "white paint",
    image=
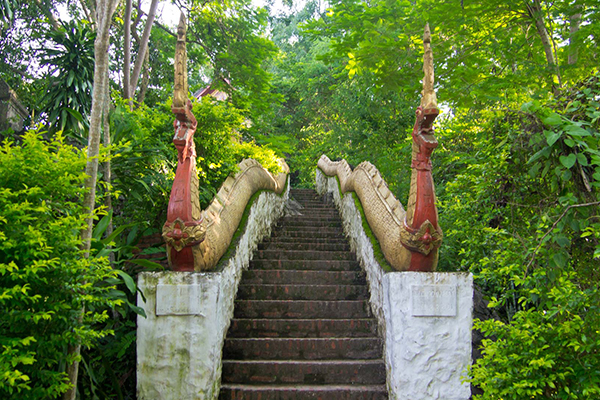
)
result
[(427, 344), (433, 300), (183, 299), (427, 356), (179, 344)]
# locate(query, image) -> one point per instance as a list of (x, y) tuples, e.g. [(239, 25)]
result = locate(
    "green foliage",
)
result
[(327, 113), (549, 352), (145, 159), (234, 49), (485, 52), (7, 12), (143, 164), (50, 295), (220, 148), (68, 98)]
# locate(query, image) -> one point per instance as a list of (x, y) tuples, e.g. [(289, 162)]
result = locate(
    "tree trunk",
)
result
[(127, 51), (574, 23), (536, 13), (104, 13), (107, 171), (145, 79), (143, 47)]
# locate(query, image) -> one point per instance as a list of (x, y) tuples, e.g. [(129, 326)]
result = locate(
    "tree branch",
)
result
[(595, 203), (48, 14), (139, 61)]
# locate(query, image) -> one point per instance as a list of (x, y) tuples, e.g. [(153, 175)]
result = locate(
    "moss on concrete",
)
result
[(377, 252)]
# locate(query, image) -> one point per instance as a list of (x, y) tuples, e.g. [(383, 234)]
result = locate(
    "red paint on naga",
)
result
[(425, 211)]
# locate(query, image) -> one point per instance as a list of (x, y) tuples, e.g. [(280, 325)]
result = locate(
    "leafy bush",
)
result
[(49, 292)]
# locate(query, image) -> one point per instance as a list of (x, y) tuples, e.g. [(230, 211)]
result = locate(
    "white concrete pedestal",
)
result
[(425, 318), (428, 334), (179, 344)]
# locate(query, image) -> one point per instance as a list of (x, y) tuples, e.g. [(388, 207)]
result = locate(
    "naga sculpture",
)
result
[(197, 239), (409, 239)]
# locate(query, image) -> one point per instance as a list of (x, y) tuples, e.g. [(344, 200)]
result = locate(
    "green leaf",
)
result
[(545, 152), (129, 282), (136, 309), (552, 120), (116, 233), (101, 226), (147, 264), (575, 130), (552, 137), (562, 240), (568, 161), (582, 159), (560, 259)]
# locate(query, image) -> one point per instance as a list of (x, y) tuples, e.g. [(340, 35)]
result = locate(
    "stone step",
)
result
[(323, 265), (302, 309), (303, 277), (306, 239), (309, 216), (302, 392), (315, 202), (309, 208), (303, 191), (302, 292), (298, 328), (340, 246), (310, 222), (303, 348), (304, 255), (324, 234), (307, 197), (304, 372), (309, 228), (321, 212)]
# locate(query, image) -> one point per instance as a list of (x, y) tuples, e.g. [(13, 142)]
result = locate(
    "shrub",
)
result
[(48, 291)]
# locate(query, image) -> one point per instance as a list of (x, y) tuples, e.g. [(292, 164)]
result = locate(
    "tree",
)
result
[(131, 78), (104, 13), (485, 51)]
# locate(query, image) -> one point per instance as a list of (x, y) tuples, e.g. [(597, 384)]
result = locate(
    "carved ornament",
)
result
[(423, 240), (180, 234)]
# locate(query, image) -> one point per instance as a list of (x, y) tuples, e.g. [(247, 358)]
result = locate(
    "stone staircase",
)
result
[(302, 326)]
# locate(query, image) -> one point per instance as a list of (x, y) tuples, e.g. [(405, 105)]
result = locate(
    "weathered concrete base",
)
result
[(425, 318), (428, 334), (179, 344)]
